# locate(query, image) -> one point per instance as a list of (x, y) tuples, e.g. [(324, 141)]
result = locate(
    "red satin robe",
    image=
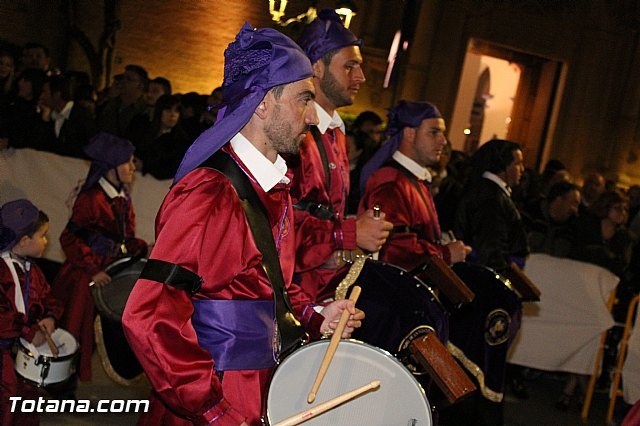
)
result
[(92, 212), (317, 239), (405, 207), (201, 226), (13, 325)]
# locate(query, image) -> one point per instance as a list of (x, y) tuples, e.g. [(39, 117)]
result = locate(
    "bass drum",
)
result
[(482, 331), (117, 358), (398, 305), (400, 400)]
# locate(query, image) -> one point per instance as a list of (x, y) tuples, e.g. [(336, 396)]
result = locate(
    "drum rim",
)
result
[(129, 259), (358, 343), (22, 346), (503, 280)]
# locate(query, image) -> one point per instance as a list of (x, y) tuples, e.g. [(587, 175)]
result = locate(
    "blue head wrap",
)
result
[(404, 114), (258, 60), (107, 151), (326, 34), (17, 219)]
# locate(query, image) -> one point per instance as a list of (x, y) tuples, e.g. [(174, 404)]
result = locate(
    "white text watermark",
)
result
[(42, 405)]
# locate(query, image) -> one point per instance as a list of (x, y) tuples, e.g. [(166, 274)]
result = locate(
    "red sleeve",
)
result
[(11, 321), (404, 208)]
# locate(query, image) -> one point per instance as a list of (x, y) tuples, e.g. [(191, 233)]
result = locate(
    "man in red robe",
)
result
[(209, 346), (324, 237), (397, 176)]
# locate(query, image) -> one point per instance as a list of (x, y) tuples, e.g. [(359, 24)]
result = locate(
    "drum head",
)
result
[(65, 342), (111, 298), (400, 400)]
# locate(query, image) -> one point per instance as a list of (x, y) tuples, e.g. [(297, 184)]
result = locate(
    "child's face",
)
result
[(34, 246)]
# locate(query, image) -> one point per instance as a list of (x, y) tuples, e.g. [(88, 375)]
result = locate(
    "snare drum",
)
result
[(482, 331), (396, 304), (400, 400), (44, 368), (118, 360)]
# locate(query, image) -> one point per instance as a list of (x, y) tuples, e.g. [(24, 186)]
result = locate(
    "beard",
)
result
[(281, 134), (334, 92)]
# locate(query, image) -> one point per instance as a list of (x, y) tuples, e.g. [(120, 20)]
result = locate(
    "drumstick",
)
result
[(50, 342), (376, 216), (328, 405), (333, 345)]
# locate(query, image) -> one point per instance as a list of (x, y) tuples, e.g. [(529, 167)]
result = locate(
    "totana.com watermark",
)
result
[(42, 405)]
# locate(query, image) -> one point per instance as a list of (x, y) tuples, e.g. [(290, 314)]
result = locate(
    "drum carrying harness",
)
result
[(291, 332)]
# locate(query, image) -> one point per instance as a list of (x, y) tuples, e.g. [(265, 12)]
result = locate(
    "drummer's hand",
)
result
[(458, 251), (48, 323), (372, 232), (101, 278), (38, 338), (332, 313)]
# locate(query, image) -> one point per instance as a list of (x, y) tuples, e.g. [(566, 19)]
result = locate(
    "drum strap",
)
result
[(171, 274), (291, 332)]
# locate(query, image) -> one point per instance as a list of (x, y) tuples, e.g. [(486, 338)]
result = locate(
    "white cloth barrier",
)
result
[(49, 181), (631, 367), (562, 332)]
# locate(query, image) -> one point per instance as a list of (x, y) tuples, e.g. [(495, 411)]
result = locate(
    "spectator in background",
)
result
[(592, 187), (193, 108), (22, 114), (213, 105), (370, 123), (36, 55), (157, 87), (161, 145), (117, 114), (7, 93), (66, 126), (86, 96)]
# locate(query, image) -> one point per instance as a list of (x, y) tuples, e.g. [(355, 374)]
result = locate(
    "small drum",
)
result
[(118, 360), (110, 299), (45, 368), (400, 400), (482, 331), (396, 304)]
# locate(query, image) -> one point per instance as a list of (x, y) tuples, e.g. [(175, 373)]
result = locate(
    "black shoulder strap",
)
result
[(317, 137), (410, 176), (291, 332)]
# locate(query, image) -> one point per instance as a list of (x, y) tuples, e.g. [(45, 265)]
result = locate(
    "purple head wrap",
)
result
[(326, 34), (107, 152), (258, 60), (404, 114), (17, 219)]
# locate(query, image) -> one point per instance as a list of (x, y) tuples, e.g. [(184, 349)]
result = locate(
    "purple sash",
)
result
[(239, 334)]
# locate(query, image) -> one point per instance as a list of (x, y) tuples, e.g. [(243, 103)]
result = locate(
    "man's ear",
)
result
[(318, 69), (261, 109), (409, 133)]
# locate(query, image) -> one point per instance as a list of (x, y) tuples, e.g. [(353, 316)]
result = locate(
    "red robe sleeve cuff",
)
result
[(347, 238), (311, 320), (220, 414)]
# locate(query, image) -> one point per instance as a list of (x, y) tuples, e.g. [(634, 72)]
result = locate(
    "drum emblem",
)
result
[(496, 328)]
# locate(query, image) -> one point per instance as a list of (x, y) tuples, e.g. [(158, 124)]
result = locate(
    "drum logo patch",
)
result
[(496, 327)]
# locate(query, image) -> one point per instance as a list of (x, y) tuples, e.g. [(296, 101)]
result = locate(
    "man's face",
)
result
[(340, 81), (429, 141), (374, 131), (515, 169), (131, 85), (155, 91), (566, 206), (35, 57), (292, 114), (593, 187)]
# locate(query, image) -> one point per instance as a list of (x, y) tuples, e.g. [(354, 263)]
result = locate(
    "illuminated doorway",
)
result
[(505, 94)]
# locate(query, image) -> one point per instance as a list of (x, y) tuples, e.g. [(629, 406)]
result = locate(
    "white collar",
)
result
[(416, 169), (498, 180), (64, 113), (267, 174), (111, 191), (325, 121)]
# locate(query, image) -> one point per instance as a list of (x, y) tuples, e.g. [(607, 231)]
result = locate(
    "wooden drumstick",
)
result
[(50, 342), (328, 405), (333, 345)]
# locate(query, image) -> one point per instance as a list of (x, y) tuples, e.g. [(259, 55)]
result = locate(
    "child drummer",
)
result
[(26, 305)]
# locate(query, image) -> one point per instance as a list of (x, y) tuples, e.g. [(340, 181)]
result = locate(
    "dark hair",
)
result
[(601, 206), (42, 219), (365, 116), (494, 156), (34, 45), (61, 84), (560, 189), (141, 72), (326, 59), (166, 84), (277, 91)]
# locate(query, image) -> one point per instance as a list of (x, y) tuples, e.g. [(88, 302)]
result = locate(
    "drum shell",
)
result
[(399, 399), (110, 299), (47, 369), (396, 302)]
